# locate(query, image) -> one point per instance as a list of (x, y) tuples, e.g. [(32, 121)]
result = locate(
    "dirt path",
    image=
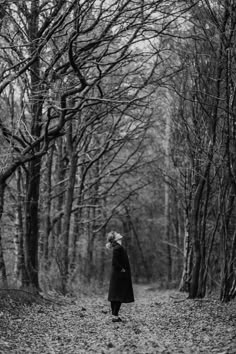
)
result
[(158, 322)]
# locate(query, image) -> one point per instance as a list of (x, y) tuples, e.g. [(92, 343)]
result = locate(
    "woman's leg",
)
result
[(116, 307), (112, 307)]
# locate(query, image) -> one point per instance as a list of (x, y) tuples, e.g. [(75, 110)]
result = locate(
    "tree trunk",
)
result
[(187, 267), (61, 167), (228, 281), (34, 166), (64, 239), (47, 216), (195, 230), (203, 221), (167, 197), (195, 237), (168, 235), (19, 270), (228, 277), (103, 240), (79, 212), (3, 272), (32, 226)]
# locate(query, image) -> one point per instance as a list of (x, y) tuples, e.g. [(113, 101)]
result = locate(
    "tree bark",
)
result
[(47, 215), (195, 234), (64, 238), (19, 270), (187, 266), (2, 262), (33, 174)]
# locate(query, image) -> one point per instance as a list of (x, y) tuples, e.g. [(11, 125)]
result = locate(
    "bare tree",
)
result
[(64, 60)]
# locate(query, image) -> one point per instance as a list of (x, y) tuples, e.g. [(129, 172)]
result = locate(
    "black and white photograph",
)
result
[(117, 176)]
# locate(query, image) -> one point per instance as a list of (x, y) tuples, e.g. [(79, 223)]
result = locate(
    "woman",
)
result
[(120, 289)]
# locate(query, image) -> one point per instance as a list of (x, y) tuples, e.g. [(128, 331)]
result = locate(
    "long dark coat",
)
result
[(120, 288)]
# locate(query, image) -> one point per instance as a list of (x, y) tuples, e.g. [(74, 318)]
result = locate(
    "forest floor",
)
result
[(157, 322)]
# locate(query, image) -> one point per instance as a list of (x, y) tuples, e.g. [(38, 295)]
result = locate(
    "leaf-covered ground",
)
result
[(158, 322)]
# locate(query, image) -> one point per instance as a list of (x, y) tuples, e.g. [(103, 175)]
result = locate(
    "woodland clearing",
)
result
[(157, 322)]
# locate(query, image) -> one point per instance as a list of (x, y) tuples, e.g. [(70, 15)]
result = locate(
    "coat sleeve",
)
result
[(117, 262)]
